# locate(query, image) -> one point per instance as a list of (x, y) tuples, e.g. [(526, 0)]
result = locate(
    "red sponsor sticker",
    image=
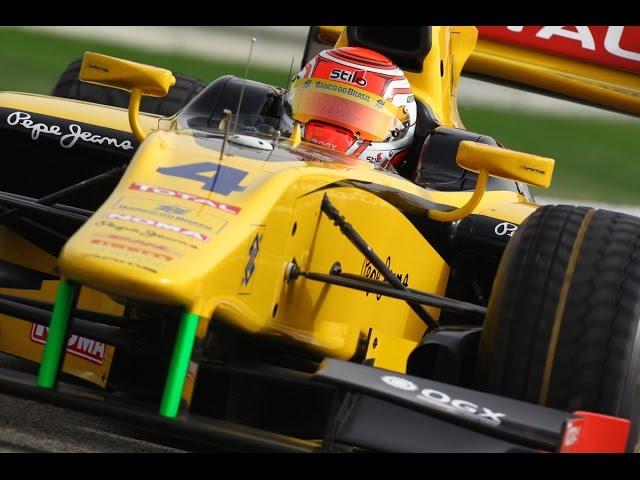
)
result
[(82, 347), (167, 192), (159, 224), (595, 433), (609, 46), (132, 249), (143, 243)]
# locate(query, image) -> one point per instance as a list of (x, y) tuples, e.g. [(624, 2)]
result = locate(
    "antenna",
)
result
[(289, 82), (244, 82), (276, 137), (227, 126)]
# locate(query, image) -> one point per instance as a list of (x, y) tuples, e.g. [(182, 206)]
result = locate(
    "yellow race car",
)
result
[(210, 275)]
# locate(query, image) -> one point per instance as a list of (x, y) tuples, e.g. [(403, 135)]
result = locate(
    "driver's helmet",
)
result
[(356, 101)]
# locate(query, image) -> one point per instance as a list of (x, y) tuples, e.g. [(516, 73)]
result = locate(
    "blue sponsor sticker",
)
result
[(224, 179), (173, 209)]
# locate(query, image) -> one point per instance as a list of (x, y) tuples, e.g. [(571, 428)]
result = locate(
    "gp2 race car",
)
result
[(201, 273)]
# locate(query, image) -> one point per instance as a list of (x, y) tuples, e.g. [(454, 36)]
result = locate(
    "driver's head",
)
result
[(355, 101)]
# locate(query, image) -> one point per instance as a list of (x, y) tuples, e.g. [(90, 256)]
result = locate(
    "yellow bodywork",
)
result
[(118, 73), (604, 86), (451, 46), (162, 238), (505, 163), (460, 49), (206, 274)]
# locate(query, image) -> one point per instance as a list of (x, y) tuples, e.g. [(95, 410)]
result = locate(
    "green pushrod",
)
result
[(179, 366), (66, 298)]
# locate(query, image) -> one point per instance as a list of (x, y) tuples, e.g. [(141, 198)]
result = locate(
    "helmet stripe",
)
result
[(361, 148), (398, 91)]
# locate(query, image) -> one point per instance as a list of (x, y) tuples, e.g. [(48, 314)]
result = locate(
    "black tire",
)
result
[(70, 86), (562, 323)]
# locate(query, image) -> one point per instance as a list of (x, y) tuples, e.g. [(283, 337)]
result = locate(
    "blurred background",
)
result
[(597, 152)]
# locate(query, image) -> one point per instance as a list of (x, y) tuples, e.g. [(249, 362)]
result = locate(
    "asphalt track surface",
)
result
[(33, 427)]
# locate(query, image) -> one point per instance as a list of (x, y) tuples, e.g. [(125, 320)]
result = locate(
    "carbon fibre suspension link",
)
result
[(354, 237), (23, 206)]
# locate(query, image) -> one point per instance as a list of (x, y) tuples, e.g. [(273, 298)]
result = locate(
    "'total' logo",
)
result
[(167, 192)]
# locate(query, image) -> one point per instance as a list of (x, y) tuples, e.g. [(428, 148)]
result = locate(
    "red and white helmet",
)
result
[(355, 101)]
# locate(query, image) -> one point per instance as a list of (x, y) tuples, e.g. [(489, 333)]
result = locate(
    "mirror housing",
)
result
[(137, 78), (505, 163), (127, 75), (499, 162)]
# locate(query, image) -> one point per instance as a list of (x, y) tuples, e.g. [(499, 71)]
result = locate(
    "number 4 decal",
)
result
[(223, 181)]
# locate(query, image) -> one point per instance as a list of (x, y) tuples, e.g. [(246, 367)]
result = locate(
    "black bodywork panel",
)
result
[(437, 167), (17, 276), (509, 420), (374, 424), (54, 156), (43, 161)]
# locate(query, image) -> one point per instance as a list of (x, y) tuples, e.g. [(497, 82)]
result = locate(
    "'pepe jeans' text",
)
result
[(67, 140)]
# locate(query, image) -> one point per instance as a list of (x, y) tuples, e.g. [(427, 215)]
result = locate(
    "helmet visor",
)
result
[(367, 115)]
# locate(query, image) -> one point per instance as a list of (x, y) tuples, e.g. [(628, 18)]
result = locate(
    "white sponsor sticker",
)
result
[(572, 434), (461, 407), (82, 347), (67, 140), (159, 224), (505, 228), (400, 383), (444, 402)]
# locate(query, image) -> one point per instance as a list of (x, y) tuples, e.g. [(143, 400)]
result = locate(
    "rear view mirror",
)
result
[(127, 75), (504, 163), (500, 162), (137, 78)]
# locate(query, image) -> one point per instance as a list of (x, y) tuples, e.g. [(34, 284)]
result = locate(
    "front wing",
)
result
[(374, 410)]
